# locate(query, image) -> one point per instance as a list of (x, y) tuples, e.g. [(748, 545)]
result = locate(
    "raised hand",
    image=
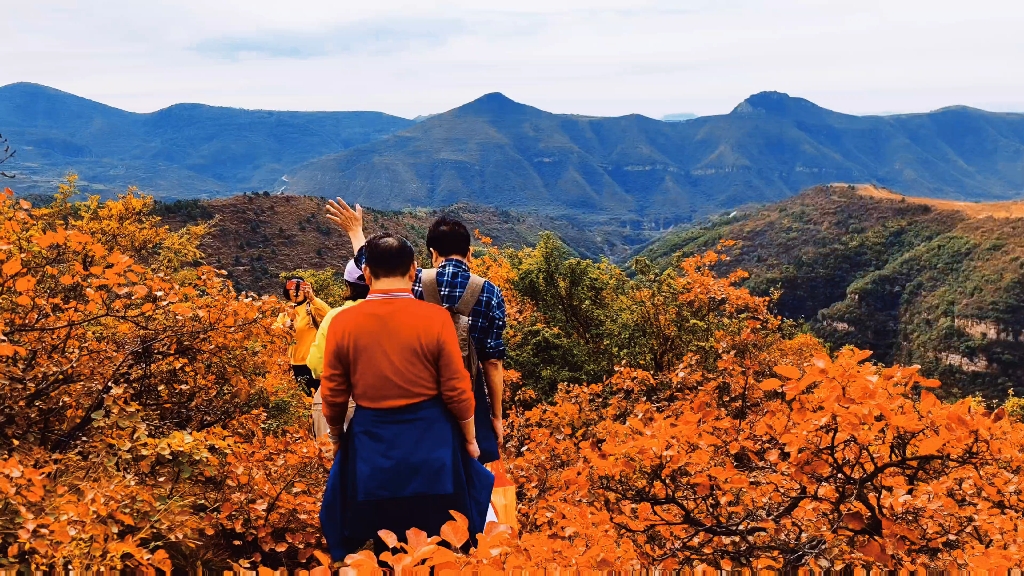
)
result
[(348, 220), (307, 290)]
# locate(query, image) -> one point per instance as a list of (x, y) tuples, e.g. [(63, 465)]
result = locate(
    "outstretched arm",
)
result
[(494, 376), (348, 220), (492, 354)]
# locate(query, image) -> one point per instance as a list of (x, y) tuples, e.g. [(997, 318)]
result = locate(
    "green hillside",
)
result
[(914, 283)]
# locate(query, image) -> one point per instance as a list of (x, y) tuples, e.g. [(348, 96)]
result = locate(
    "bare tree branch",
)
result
[(5, 155)]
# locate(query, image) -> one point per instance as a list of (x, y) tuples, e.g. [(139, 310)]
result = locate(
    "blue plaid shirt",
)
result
[(486, 320)]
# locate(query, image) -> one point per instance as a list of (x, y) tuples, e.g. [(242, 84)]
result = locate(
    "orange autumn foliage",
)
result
[(135, 393), (149, 419), (760, 450)]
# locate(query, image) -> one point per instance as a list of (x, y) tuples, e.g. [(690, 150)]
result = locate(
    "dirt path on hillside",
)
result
[(1009, 209)]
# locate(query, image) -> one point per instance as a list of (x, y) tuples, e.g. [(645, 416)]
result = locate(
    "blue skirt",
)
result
[(398, 469)]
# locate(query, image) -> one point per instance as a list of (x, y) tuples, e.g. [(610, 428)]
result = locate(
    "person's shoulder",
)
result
[(422, 305), (490, 288), (332, 313), (428, 311), (347, 308), (342, 314)]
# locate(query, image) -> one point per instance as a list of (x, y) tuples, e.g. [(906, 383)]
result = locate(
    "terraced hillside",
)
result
[(918, 281)]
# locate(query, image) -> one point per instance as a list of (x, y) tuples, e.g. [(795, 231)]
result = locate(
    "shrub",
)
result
[(135, 397), (148, 418)]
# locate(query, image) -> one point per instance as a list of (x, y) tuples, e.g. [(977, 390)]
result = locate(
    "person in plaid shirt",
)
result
[(449, 243)]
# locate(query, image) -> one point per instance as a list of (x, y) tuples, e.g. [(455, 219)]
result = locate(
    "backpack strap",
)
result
[(470, 296), (312, 317), (464, 307), (428, 279)]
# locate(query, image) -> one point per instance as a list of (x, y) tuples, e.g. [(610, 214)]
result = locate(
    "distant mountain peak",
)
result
[(27, 86), (33, 89), (778, 104), (495, 104), (495, 97)]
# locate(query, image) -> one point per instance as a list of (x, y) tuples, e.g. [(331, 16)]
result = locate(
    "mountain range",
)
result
[(502, 153), (629, 172), (185, 150)]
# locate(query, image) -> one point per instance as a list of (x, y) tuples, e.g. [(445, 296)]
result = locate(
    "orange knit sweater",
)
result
[(387, 353)]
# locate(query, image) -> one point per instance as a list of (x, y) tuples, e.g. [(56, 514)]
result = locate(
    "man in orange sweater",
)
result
[(409, 453)]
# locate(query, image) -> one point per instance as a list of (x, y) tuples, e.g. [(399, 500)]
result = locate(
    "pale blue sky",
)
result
[(597, 57)]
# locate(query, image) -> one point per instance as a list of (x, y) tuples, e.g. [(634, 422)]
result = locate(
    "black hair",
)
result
[(448, 237), (357, 290), (284, 288), (389, 255)]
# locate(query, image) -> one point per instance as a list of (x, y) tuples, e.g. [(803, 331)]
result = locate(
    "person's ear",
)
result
[(434, 257), (367, 275), (412, 272)]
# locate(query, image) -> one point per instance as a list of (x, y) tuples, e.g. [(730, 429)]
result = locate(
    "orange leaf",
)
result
[(323, 558), (454, 533), (416, 538), (363, 559), (25, 283), (442, 556), (161, 560), (874, 551), (771, 384), (462, 520), (388, 537), (425, 552), (931, 445), (12, 266), (854, 520), (787, 372)]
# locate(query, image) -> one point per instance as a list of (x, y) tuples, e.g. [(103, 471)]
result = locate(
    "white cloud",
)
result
[(378, 37), (599, 57)]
